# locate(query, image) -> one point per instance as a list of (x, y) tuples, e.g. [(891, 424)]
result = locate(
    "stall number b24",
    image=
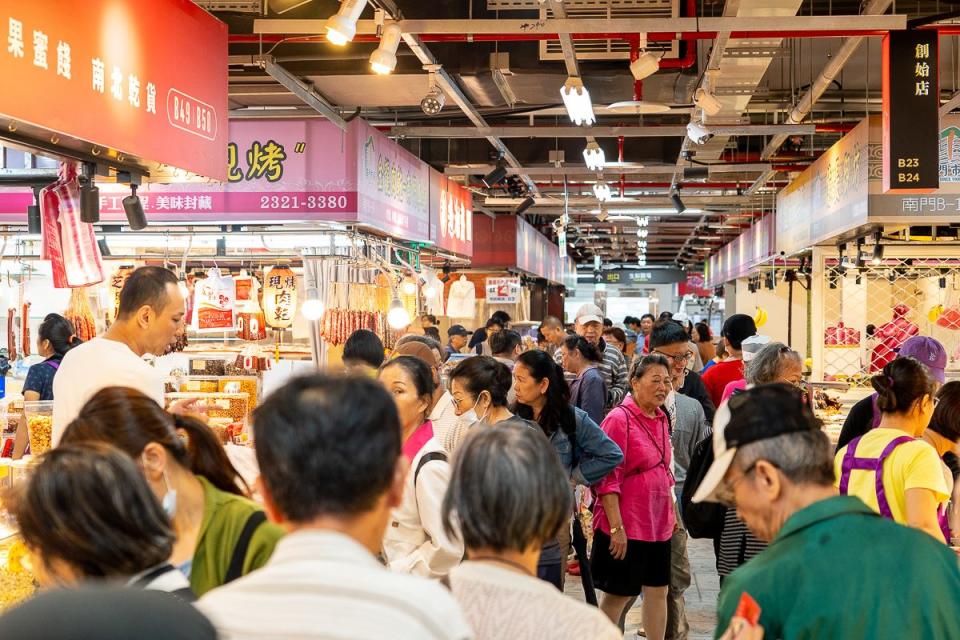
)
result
[(186, 113), (908, 163)]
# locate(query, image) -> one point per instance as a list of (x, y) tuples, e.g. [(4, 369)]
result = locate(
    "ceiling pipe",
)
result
[(623, 176), (823, 81)]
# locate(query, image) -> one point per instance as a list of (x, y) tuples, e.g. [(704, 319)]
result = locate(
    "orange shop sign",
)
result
[(145, 78)]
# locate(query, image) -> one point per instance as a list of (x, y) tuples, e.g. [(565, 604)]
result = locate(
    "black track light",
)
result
[(523, 206), (677, 202), (134, 210), (104, 247), (495, 177), (34, 226), (877, 258), (89, 202)]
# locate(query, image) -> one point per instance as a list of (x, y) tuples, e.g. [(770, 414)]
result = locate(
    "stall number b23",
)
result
[(908, 176)]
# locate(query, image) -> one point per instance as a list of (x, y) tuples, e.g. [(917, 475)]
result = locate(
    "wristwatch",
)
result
[(616, 530)]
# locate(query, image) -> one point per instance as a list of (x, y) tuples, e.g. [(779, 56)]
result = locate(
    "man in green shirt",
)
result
[(834, 568)]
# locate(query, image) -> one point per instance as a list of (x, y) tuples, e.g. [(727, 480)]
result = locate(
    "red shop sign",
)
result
[(147, 79), (451, 215)]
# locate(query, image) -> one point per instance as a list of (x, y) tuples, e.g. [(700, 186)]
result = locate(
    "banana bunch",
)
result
[(935, 313), (760, 317)]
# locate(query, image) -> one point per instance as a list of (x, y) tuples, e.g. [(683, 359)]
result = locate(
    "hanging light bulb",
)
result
[(593, 156), (397, 316), (429, 291), (643, 221), (312, 308), (577, 100), (384, 59), (642, 233), (409, 288), (601, 190)]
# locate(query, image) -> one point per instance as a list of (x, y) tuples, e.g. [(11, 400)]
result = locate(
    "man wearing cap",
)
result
[(834, 568), (865, 415), (457, 340), (736, 329), (589, 325)]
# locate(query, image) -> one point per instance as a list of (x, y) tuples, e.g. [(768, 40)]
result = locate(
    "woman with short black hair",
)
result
[(509, 495), (55, 337), (87, 513)]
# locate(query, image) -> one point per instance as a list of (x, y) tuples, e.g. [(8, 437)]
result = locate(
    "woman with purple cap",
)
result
[(865, 415)]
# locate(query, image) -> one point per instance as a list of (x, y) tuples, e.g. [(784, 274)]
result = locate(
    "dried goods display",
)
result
[(221, 409), (40, 429), (11, 334), (25, 329), (337, 324), (78, 312), (16, 581)]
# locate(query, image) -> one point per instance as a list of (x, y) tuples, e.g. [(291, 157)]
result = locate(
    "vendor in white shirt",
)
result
[(149, 315)]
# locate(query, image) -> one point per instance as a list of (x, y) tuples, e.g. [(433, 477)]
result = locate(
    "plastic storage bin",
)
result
[(39, 425)]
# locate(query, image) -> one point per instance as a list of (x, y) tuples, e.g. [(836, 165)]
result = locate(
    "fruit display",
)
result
[(760, 317)]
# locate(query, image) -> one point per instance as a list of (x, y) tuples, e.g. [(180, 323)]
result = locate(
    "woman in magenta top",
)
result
[(634, 518)]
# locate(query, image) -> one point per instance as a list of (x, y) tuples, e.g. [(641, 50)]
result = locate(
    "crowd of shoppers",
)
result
[(415, 500)]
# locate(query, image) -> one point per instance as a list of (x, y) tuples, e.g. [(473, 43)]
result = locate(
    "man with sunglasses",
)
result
[(834, 568), (669, 340)]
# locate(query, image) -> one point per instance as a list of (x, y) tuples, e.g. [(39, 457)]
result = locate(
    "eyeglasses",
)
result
[(726, 494), (680, 358)]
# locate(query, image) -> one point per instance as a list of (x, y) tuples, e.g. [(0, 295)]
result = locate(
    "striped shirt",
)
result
[(737, 544), (614, 371), (323, 584)]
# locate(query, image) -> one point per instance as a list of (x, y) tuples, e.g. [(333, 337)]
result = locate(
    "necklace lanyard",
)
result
[(660, 450), (503, 561)]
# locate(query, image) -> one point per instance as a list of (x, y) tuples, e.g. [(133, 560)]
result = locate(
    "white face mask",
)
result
[(470, 415), (169, 500)]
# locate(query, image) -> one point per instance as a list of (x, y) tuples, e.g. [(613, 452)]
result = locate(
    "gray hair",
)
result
[(767, 365), (804, 457), (427, 340), (641, 365), (508, 490)]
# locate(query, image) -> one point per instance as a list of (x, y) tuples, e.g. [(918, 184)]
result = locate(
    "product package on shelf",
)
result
[(39, 416), (208, 365), (251, 324), (214, 303), (229, 384), (229, 411)]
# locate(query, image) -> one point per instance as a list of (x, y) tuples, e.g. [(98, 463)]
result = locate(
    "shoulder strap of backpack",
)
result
[(235, 570), (427, 457)]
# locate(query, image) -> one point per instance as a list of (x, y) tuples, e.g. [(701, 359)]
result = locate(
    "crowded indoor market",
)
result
[(480, 320)]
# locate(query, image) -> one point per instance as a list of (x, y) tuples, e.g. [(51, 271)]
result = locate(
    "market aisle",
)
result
[(701, 605)]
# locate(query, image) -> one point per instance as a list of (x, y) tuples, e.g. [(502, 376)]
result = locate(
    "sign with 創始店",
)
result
[(143, 79)]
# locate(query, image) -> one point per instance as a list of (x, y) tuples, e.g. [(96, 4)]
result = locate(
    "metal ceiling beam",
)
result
[(570, 26), (595, 132), (950, 104), (625, 168), (823, 81), (304, 91)]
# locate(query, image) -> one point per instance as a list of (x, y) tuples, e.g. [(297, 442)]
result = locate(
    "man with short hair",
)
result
[(668, 339), (613, 367), (553, 330), (736, 329), (332, 471), (457, 339), (363, 353), (149, 316), (498, 320), (834, 568), (506, 345)]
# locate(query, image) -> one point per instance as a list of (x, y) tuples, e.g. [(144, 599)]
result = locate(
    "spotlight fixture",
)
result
[(707, 102), (433, 102), (384, 59), (398, 317), (342, 27), (496, 176), (576, 99), (861, 260), (771, 280), (104, 247), (594, 157), (677, 202), (601, 190), (89, 201), (312, 308), (877, 258), (134, 210), (523, 206), (698, 133), (34, 226), (645, 65)]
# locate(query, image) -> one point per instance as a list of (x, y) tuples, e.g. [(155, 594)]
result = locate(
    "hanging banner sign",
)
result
[(451, 215), (143, 79), (911, 103), (635, 276), (503, 290)]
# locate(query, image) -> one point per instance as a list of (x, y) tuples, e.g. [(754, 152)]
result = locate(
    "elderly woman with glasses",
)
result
[(634, 519)]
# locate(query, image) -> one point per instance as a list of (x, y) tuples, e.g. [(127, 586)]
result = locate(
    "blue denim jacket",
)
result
[(596, 454)]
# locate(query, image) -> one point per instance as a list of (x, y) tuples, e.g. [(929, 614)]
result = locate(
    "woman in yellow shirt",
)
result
[(894, 472)]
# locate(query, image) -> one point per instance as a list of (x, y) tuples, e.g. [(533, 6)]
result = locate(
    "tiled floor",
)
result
[(701, 597)]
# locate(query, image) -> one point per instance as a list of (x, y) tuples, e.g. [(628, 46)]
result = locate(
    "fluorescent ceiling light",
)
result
[(577, 100), (593, 155), (602, 190)]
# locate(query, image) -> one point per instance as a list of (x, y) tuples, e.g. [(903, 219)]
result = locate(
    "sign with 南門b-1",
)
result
[(147, 80), (911, 120)]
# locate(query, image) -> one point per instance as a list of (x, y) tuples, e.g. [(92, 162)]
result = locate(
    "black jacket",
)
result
[(858, 422), (693, 387)]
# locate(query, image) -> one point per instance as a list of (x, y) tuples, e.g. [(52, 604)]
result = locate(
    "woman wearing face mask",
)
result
[(634, 519), (480, 387), (415, 541), (585, 451), (55, 337), (588, 391), (221, 535), (109, 525), (906, 468)]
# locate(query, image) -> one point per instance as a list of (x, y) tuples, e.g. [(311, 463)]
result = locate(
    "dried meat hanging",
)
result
[(80, 315)]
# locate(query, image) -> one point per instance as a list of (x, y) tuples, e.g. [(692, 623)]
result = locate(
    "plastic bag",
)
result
[(214, 303)]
